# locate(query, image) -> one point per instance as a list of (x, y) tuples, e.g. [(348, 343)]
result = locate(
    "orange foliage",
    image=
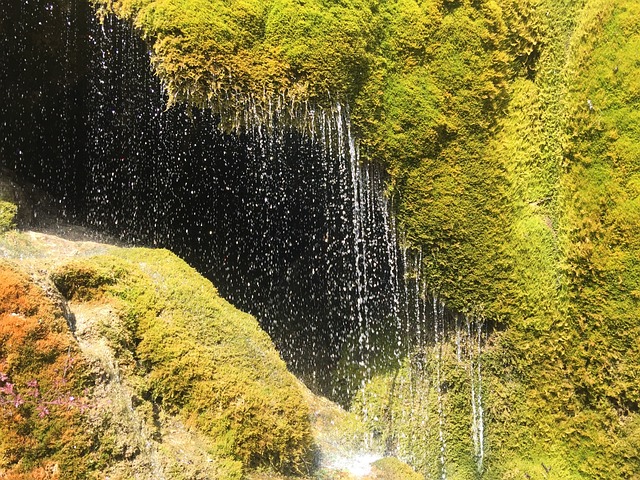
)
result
[(18, 295), (34, 338), (50, 471), (35, 345)]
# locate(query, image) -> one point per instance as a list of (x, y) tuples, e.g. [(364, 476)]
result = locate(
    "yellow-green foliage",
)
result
[(8, 213), (212, 52), (200, 357)]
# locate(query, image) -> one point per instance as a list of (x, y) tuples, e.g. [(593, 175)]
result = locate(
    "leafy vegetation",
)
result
[(8, 212)]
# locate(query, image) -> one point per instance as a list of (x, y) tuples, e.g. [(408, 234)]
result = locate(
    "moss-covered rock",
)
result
[(271, 54), (426, 412), (510, 132), (159, 349), (391, 468), (198, 356)]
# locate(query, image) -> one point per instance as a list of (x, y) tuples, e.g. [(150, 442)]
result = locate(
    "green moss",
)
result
[(566, 363), (8, 212), (599, 234), (199, 357), (222, 54), (443, 86), (393, 469), (82, 280)]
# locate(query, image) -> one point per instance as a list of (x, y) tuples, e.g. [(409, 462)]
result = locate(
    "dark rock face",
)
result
[(39, 123), (37, 208)]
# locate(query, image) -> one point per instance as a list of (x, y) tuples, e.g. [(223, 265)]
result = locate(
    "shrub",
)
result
[(8, 212)]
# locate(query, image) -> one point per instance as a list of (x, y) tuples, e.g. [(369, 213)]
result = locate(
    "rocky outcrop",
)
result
[(125, 363), (173, 381)]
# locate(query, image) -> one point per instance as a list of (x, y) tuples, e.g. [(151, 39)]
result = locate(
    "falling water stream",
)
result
[(282, 215)]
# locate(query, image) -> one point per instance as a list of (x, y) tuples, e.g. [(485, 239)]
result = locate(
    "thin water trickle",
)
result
[(476, 386), (438, 326)]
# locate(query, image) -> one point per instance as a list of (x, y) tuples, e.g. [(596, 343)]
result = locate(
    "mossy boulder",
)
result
[(425, 412), (390, 468), (198, 356), (166, 368)]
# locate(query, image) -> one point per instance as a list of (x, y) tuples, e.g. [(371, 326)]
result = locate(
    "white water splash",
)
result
[(358, 464)]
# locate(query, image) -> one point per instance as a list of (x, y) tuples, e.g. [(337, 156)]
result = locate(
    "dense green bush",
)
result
[(8, 212)]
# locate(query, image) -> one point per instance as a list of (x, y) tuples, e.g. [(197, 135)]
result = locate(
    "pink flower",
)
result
[(17, 401), (7, 389)]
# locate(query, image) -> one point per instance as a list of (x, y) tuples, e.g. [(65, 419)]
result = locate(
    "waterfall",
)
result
[(273, 203), (439, 392), (475, 339), (270, 201)]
